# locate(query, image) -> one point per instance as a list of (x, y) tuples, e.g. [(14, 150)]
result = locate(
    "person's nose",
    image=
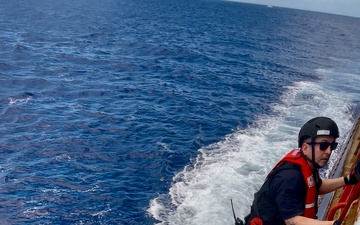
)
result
[(328, 150)]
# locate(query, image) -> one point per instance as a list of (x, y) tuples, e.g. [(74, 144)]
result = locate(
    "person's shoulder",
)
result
[(288, 169), (288, 175)]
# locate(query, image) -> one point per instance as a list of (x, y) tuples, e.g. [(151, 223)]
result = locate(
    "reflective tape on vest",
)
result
[(308, 206)]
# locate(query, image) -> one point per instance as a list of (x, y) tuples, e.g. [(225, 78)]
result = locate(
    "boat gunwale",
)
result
[(350, 151)]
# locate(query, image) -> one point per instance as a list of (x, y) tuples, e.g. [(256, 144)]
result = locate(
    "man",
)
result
[(290, 192)]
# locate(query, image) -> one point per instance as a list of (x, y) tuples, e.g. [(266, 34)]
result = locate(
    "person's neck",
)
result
[(311, 166)]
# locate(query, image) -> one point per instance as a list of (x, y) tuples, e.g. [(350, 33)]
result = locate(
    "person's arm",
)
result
[(330, 185), (300, 220)]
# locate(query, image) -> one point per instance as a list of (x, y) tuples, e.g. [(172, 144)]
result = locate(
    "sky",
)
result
[(340, 7)]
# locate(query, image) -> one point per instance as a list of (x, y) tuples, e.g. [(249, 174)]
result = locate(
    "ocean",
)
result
[(160, 112)]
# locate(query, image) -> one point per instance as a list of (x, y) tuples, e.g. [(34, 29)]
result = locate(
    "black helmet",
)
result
[(317, 127)]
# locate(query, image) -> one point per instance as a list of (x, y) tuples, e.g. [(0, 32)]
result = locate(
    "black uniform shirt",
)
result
[(287, 191)]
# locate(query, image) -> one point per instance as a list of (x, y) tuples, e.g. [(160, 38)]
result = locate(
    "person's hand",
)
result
[(357, 170), (337, 222), (355, 177)]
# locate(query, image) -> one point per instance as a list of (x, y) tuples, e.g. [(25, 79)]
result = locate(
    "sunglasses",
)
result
[(324, 145)]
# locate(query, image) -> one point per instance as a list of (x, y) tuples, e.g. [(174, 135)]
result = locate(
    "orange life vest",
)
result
[(295, 157)]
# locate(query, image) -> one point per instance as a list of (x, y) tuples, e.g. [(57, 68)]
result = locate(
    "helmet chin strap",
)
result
[(312, 161)]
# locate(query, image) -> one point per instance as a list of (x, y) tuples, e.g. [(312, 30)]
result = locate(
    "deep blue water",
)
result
[(124, 112)]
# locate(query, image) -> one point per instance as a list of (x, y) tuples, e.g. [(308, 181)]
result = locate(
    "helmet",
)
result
[(318, 126)]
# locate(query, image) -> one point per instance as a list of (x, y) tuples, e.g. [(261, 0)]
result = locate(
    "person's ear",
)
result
[(305, 148)]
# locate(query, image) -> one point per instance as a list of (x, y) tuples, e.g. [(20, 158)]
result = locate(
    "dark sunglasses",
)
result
[(324, 145)]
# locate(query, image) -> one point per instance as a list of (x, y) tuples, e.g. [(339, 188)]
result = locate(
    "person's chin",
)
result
[(323, 162)]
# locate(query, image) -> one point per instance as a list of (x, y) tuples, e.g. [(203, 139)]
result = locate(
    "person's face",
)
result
[(322, 155)]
